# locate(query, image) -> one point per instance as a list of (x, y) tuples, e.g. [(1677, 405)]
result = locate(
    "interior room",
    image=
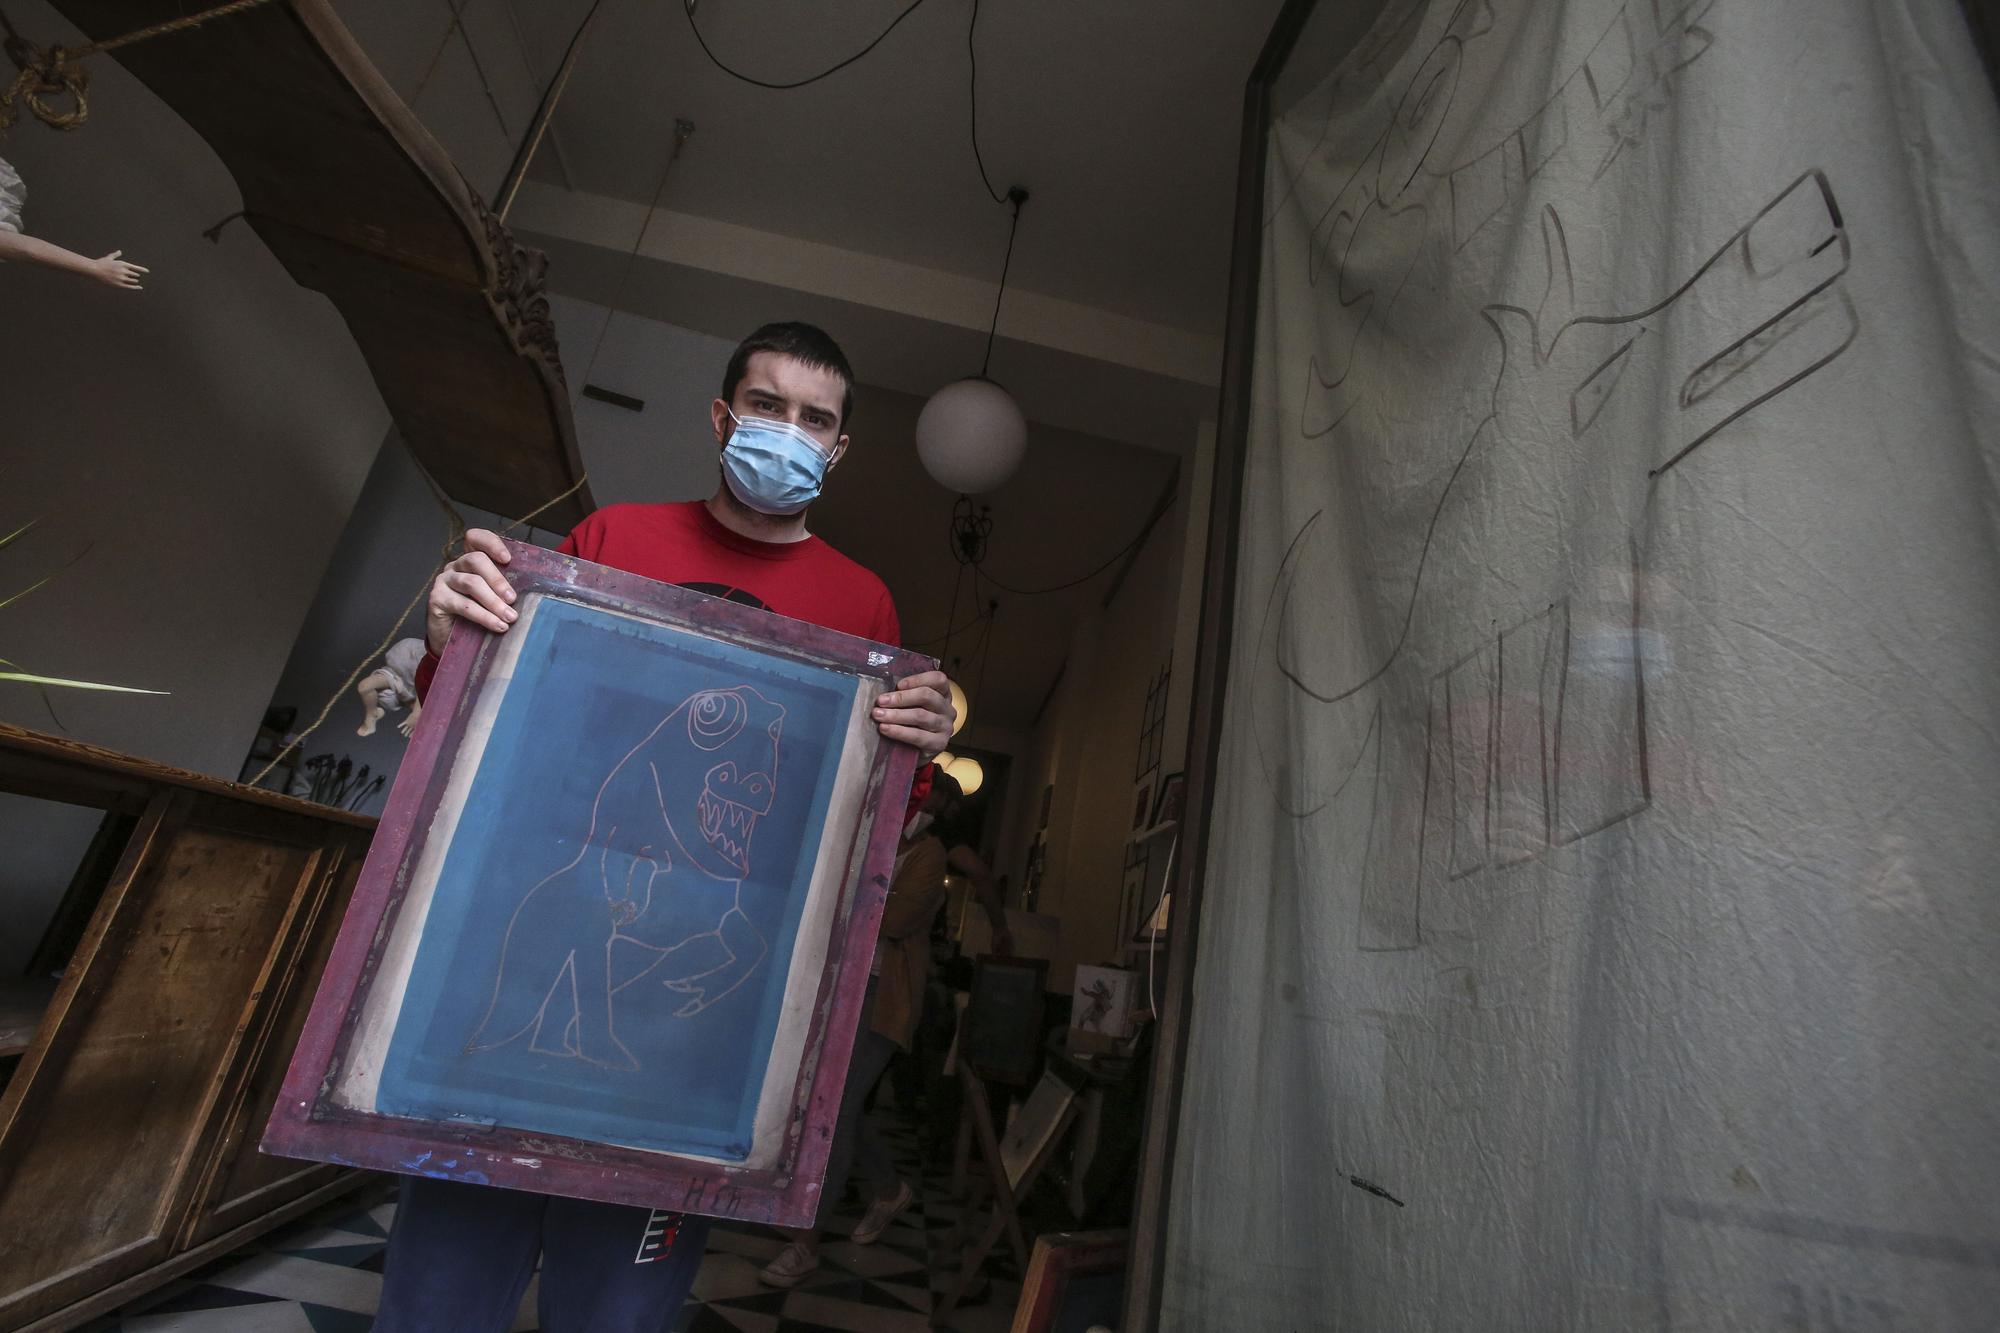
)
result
[(1286, 664), (234, 434)]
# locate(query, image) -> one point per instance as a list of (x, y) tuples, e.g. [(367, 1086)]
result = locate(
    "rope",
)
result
[(456, 528), (55, 72)]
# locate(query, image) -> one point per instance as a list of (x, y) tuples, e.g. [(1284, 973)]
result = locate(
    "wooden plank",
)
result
[(358, 201), (34, 763), (110, 1298), (1211, 673), (239, 1182), (22, 1004), (131, 1072), (79, 901)]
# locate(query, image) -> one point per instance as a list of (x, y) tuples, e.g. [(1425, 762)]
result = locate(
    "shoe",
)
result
[(794, 1264), (881, 1213)]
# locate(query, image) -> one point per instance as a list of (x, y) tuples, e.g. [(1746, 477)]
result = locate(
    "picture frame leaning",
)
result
[(612, 938)]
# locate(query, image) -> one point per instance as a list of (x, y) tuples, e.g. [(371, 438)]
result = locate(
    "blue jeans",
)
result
[(460, 1256)]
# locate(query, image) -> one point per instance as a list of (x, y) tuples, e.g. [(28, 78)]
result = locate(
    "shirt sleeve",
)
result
[(886, 628), (426, 669)]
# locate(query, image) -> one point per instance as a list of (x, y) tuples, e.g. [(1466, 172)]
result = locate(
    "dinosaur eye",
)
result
[(714, 718)]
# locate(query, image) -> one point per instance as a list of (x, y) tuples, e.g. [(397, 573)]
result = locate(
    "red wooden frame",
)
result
[(1058, 1258), (308, 1123)]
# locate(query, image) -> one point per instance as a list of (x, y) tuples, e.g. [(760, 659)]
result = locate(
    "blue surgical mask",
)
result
[(774, 467)]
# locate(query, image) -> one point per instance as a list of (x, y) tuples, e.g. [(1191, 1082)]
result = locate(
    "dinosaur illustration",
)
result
[(655, 887)]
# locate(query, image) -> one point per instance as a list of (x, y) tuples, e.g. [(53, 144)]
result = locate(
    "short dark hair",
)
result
[(801, 342)]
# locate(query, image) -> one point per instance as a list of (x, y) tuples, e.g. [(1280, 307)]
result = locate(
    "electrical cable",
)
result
[(948, 635), (687, 10), (1116, 556), (972, 56), (1016, 196)]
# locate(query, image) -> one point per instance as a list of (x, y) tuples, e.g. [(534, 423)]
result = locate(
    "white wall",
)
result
[(394, 536), (1086, 742), (192, 452)]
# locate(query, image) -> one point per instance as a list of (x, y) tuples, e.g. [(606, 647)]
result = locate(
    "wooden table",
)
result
[(128, 1130)]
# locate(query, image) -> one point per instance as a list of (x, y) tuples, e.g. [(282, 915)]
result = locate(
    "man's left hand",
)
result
[(918, 712)]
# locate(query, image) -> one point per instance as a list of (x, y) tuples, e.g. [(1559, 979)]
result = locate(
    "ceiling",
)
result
[(1120, 118), (856, 203)]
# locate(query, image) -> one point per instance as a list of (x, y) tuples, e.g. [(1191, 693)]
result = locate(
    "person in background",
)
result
[(889, 1019)]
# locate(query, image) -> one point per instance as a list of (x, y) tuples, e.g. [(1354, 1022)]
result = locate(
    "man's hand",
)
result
[(473, 588), (917, 712)]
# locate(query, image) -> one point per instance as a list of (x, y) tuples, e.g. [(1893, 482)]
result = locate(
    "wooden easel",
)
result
[(976, 1125)]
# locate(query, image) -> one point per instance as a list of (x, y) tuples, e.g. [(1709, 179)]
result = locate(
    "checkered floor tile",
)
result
[(324, 1275)]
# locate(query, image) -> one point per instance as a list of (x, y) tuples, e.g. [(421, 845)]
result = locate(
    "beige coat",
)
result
[(915, 895)]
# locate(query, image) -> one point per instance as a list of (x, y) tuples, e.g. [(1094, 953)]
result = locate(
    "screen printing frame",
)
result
[(310, 1120)]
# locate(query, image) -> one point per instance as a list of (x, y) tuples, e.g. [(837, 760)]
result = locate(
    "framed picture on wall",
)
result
[(1132, 896), (1075, 1280), (1167, 808), (1141, 810), (614, 932)]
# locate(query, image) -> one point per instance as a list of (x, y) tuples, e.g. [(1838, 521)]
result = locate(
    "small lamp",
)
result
[(971, 434), (965, 770), (961, 706)]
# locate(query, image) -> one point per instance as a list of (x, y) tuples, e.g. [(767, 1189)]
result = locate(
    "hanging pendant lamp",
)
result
[(971, 434)]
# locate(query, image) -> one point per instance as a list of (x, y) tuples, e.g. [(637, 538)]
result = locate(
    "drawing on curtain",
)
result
[(1474, 753)]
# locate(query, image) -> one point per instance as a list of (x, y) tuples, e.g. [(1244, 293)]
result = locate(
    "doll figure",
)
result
[(15, 246), (392, 686)]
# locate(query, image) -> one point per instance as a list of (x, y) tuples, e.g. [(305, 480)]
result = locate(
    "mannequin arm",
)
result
[(110, 270)]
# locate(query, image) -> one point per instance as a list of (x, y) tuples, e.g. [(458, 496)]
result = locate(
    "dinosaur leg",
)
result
[(522, 997), (594, 1039), (745, 949)]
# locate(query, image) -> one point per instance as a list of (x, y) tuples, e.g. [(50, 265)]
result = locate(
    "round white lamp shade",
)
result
[(971, 436), (960, 706), (965, 770)]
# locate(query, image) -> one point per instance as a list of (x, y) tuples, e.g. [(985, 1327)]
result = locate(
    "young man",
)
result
[(460, 1255)]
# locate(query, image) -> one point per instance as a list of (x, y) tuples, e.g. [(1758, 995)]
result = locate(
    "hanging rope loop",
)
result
[(57, 72), (50, 84)]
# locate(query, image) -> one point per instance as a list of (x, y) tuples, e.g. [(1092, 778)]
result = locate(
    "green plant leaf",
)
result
[(24, 592), (28, 678), (73, 684), (17, 533)]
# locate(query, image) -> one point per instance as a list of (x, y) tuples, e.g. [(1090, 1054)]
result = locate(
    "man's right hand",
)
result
[(471, 588)]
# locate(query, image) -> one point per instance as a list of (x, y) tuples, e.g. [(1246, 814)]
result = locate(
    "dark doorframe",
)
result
[(1211, 671)]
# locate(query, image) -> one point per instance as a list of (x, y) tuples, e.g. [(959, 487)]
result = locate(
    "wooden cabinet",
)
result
[(128, 1133)]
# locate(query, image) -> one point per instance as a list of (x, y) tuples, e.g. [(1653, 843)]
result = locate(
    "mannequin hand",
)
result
[(115, 272), (471, 588), (918, 712)]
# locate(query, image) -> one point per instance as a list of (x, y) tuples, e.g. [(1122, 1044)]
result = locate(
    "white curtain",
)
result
[(1603, 914)]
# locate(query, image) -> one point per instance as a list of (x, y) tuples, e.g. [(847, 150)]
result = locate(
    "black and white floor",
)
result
[(324, 1275)]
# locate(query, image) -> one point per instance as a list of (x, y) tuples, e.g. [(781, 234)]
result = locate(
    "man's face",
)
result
[(783, 388)]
